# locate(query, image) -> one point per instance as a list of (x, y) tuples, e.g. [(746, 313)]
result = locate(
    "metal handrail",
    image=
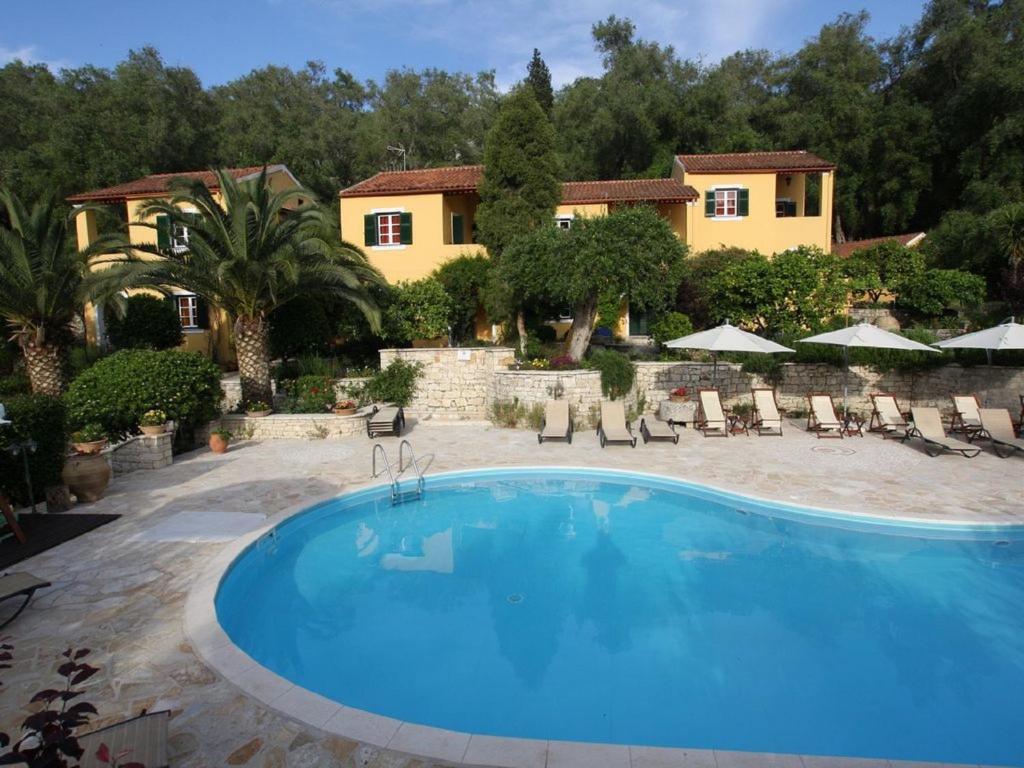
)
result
[(387, 467), (415, 464)]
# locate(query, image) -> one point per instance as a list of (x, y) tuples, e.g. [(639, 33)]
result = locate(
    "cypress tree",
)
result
[(538, 77)]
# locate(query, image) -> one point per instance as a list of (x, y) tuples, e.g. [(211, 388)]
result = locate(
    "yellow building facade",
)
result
[(206, 329)]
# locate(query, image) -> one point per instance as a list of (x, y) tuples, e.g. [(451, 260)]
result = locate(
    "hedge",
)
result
[(147, 323), (41, 418), (118, 389)]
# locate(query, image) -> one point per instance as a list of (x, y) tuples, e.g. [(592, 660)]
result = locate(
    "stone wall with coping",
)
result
[(141, 452), (456, 383), (296, 426)]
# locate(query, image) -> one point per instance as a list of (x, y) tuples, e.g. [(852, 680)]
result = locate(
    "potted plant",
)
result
[(344, 408), (679, 395), (87, 473), (257, 409), (219, 439), (89, 439), (153, 422)]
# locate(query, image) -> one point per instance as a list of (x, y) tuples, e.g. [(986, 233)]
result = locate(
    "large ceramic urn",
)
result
[(87, 475)]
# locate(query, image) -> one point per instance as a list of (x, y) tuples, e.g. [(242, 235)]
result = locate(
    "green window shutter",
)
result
[(369, 229), (163, 232), (458, 233), (406, 222), (202, 313), (709, 203), (743, 207)]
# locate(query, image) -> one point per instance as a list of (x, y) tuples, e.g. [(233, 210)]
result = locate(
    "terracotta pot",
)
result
[(91, 447), (218, 444), (87, 476), (344, 411), (679, 398), (156, 430), (257, 414)]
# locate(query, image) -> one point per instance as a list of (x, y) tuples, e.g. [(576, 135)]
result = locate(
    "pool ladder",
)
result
[(397, 494)]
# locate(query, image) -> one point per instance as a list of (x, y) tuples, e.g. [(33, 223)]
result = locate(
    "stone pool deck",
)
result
[(121, 589)]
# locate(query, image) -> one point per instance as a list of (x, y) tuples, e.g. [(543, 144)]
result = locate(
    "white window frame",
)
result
[(179, 237), (736, 203), (564, 221), (193, 300), (377, 213)]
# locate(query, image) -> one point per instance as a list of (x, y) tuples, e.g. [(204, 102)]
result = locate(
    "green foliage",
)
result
[(301, 327), (795, 290), (147, 323), (15, 384), (884, 268), (118, 389), (394, 384), (508, 413), (935, 292), (418, 310), (310, 394), (464, 280), (43, 419), (538, 78), (699, 270), (617, 372), (671, 325), (90, 433)]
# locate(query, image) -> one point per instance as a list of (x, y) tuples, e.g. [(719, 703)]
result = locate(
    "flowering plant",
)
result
[(256, 406), (345, 404), (539, 363), (679, 392), (563, 363), (153, 418)]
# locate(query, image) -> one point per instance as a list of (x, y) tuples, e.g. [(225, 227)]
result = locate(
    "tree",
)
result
[(418, 310), (250, 256), (538, 77), (44, 284), (1007, 226), (465, 280), (519, 190), (933, 292), (883, 268)]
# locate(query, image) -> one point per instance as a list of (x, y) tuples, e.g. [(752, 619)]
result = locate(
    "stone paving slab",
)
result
[(125, 597)]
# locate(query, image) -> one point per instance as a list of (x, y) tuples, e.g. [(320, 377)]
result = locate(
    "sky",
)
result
[(223, 39)]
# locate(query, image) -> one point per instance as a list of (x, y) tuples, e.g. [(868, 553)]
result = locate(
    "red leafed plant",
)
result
[(563, 363), (679, 392), (50, 739)]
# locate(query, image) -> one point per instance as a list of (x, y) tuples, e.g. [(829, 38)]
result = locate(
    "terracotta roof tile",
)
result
[(159, 183), (852, 246), (466, 179), (754, 162)]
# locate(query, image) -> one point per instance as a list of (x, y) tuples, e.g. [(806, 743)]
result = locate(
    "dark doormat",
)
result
[(45, 532)]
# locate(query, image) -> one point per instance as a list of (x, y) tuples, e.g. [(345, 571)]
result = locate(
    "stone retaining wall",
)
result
[(141, 452), (301, 426)]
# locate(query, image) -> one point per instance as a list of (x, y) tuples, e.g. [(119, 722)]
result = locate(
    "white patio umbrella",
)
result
[(1006, 335), (863, 335), (726, 338)]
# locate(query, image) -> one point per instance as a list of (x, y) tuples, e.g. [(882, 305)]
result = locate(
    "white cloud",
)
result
[(27, 54)]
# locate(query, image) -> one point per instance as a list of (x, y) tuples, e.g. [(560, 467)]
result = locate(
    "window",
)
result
[(188, 310), (563, 222), (725, 202), (179, 238), (389, 229), (785, 207)]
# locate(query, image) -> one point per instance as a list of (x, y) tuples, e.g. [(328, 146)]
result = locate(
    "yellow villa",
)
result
[(207, 329), (411, 222)]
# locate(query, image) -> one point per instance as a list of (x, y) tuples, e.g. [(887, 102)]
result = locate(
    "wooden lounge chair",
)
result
[(613, 427), (928, 427), (886, 416), (556, 425), (767, 419), (385, 420), (966, 418), (653, 429), (822, 418), (142, 739), (19, 584), (710, 414), (997, 427)]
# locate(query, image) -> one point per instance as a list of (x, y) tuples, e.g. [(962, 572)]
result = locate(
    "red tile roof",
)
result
[(852, 246), (754, 162), (159, 183), (466, 179)]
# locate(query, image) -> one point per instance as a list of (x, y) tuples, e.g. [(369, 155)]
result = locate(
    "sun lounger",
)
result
[(822, 418), (886, 416), (710, 414), (613, 427), (928, 427), (19, 585), (966, 418), (141, 740), (385, 420), (652, 429), (997, 427), (556, 425), (767, 419)]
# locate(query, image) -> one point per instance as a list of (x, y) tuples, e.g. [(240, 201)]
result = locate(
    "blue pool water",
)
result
[(605, 607)]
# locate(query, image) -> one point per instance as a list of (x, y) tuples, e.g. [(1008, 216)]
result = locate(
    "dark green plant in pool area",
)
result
[(40, 418), (617, 372), (394, 384), (310, 394)]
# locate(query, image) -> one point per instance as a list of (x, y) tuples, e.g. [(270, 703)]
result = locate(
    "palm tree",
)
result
[(45, 283), (249, 254)]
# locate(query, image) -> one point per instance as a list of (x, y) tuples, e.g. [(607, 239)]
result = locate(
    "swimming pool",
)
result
[(619, 608)]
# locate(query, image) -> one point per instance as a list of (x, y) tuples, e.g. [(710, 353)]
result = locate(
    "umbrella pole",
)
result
[(846, 381), (714, 369)]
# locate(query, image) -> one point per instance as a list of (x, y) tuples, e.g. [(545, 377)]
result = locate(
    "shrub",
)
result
[(563, 363), (508, 413), (464, 280), (118, 389), (670, 326), (147, 323), (90, 433), (15, 384), (545, 334), (394, 384), (310, 394), (420, 310), (617, 372), (41, 418), (300, 327)]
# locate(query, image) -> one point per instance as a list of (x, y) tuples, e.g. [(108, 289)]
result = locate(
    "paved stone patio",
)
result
[(120, 590)]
